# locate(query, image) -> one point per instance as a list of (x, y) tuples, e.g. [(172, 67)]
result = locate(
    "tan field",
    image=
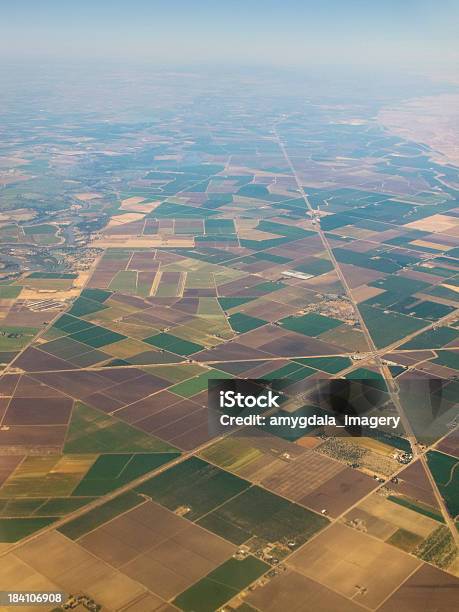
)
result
[(434, 223), (364, 292), (57, 294), (67, 567), (400, 517), (87, 197), (125, 218), (430, 119), (349, 563), (140, 207), (374, 445), (131, 242), (21, 214), (431, 245)]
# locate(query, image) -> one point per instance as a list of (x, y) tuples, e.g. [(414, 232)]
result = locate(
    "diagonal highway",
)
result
[(374, 353)]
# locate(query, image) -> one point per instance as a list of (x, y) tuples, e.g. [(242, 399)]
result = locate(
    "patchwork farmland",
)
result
[(224, 241)]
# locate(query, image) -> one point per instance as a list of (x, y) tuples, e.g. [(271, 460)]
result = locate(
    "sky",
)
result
[(402, 35)]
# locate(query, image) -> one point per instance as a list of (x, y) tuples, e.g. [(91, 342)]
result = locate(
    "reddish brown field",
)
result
[(293, 344), (414, 483), (427, 589), (38, 411), (8, 463), (30, 436), (340, 492), (148, 406), (450, 444), (34, 360)]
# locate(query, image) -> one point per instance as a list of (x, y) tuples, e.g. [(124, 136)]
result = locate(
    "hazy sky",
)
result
[(406, 34)]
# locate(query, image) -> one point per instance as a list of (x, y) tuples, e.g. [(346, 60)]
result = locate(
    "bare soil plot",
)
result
[(138, 387), (38, 411), (363, 292), (195, 437), (34, 360), (297, 345), (291, 591), (29, 387), (147, 406), (263, 335), (349, 562), (78, 384), (173, 566), (450, 444), (427, 589), (340, 492), (8, 463), (414, 483), (8, 384), (30, 436), (14, 571), (149, 602), (168, 417), (157, 548), (68, 567), (300, 477), (231, 351), (435, 223)]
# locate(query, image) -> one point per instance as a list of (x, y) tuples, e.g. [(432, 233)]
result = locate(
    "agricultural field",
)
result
[(149, 249)]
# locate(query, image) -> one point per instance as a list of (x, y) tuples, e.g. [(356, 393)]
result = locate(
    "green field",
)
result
[(450, 359), (15, 338), (195, 385), (432, 339), (405, 540), (46, 476), (387, 327), (97, 336), (115, 470), (12, 530), (100, 515), (222, 584), (83, 306), (445, 471), (315, 266), (91, 431), (399, 284), (310, 324), (439, 548), (257, 512), (9, 292), (242, 323), (69, 324), (174, 344), (331, 365), (232, 454), (194, 484), (124, 281), (97, 295), (229, 302), (39, 229)]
